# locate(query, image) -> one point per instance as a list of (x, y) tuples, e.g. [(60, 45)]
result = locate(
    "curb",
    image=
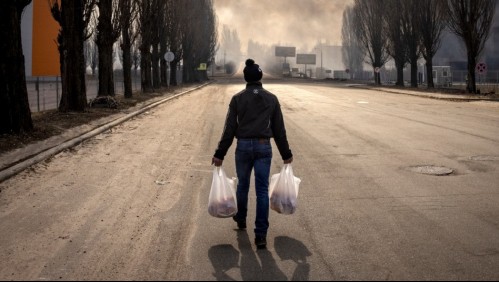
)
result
[(14, 168)]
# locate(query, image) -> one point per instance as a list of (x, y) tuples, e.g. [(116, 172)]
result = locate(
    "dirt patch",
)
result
[(52, 122)]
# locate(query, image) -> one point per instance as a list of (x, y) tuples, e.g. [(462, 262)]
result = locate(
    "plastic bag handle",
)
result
[(288, 169), (219, 171)]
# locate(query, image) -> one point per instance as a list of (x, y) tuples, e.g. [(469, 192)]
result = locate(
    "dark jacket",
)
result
[(254, 113)]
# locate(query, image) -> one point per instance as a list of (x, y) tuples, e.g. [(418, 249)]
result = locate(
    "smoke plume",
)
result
[(297, 23)]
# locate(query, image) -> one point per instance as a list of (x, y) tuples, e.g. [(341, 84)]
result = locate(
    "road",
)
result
[(131, 203)]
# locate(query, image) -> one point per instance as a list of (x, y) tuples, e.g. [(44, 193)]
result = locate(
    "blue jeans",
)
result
[(254, 154)]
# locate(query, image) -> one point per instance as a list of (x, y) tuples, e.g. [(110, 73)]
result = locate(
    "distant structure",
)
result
[(282, 51)]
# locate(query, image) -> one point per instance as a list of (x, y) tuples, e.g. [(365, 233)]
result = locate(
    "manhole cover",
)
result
[(484, 158), (431, 169)]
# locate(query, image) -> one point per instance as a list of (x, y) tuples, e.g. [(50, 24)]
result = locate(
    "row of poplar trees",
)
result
[(188, 28), (406, 30)]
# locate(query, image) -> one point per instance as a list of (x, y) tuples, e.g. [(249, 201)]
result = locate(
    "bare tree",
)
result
[(91, 55), (432, 20), (136, 54), (73, 17), (397, 47), (412, 35), (108, 31), (158, 26), (471, 21), (128, 15), (199, 37), (15, 114), (352, 54), (147, 15), (163, 45), (368, 18), (231, 44), (175, 15), (210, 36), (191, 14)]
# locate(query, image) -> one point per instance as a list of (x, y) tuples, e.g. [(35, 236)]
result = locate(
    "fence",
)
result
[(486, 82), (44, 93)]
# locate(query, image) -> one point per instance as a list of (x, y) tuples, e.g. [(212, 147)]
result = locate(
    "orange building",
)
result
[(40, 40)]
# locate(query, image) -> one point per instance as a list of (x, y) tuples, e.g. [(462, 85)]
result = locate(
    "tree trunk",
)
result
[(429, 72), (164, 72), (414, 72), (15, 114), (400, 73), (163, 63), (106, 78), (155, 67), (127, 65), (185, 74), (471, 73), (189, 72), (73, 97), (173, 72), (105, 40), (377, 77), (145, 70), (126, 45), (204, 75)]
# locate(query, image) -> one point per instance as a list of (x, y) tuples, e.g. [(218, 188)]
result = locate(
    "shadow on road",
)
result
[(223, 258), (291, 249), (259, 264)]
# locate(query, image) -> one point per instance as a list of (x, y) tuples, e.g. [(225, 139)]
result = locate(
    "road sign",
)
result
[(377, 69), (169, 56), (281, 51), (305, 59), (481, 68), (202, 66), (347, 70)]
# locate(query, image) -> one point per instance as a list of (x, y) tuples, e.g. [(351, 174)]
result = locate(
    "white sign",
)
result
[(169, 56), (376, 70), (481, 68)]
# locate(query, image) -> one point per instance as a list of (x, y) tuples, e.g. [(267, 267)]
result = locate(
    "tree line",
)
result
[(407, 30), (144, 30)]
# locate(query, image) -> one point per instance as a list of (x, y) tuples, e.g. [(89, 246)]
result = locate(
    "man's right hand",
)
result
[(288, 161), (216, 161)]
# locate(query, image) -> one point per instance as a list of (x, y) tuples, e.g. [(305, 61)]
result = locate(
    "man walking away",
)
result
[(254, 116)]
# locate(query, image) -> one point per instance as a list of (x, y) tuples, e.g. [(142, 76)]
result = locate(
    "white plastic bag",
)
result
[(222, 200), (283, 191)]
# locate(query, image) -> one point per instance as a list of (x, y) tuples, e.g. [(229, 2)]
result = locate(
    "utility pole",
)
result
[(322, 70), (213, 66)]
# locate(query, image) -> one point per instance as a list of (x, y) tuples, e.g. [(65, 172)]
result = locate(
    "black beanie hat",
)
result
[(252, 71)]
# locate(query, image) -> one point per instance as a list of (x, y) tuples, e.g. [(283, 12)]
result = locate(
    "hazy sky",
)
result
[(298, 23)]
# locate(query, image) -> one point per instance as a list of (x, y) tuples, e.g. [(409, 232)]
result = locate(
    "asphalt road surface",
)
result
[(131, 203)]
